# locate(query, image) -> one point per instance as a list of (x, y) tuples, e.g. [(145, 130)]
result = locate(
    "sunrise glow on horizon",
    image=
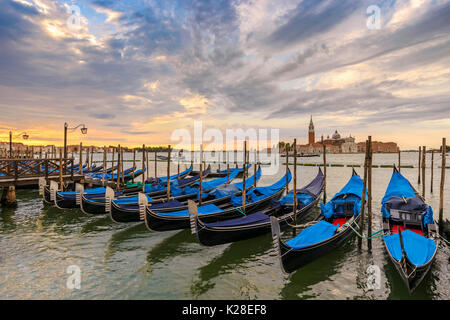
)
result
[(135, 71)]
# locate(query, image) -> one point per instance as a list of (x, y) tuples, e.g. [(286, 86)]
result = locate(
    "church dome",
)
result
[(336, 135)]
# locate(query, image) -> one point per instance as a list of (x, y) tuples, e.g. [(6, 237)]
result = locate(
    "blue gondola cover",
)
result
[(316, 233), (418, 249), (253, 218), (350, 193)]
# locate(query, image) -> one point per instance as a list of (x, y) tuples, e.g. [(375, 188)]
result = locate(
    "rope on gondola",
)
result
[(301, 226), (372, 236), (240, 211)]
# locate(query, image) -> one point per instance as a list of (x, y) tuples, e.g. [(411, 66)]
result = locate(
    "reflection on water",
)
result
[(235, 256), (125, 261)]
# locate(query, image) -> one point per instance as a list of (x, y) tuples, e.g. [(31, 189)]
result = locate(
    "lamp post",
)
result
[(25, 136), (66, 128)]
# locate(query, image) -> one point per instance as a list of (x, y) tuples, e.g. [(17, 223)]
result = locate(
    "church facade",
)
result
[(338, 144)]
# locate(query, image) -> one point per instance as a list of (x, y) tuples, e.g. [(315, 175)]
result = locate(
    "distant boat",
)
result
[(302, 155)]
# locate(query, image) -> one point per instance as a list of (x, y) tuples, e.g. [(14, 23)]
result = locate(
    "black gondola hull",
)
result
[(156, 222), (65, 202), (92, 207), (292, 260), (216, 236)]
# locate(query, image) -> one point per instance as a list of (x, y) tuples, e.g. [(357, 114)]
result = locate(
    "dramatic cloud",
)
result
[(134, 71)]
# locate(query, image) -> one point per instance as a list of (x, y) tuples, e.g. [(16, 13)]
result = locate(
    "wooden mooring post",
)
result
[(61, 182), (144, 168), (424, 160), (294, 188), (324, 172), (432, 171), (92, 158), (121, 167), (112, 163), (228, 167), (105, 163), (399, 160), (87, 159), (363, 196), (255, 170), (418, 166), (201, 175), (119, 148), (244, 193), (147, 158), (369, 196), (134, 162), (81, 157), (156, 165), (441, 191), (168, 174), (287, 169)]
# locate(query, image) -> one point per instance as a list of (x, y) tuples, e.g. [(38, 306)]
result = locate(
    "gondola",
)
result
[(68, 199), (223, 173), (411, 235), (127, 175), (255, 224), (329, 230), (45, 190), (156, 221), (130, 210), (94, 204), (158, 180)]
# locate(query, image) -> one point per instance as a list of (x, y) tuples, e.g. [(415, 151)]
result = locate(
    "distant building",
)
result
[(338, 144), (379, 147), (335, 144)]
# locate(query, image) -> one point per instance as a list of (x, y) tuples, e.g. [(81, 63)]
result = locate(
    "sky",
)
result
[(135, 71)]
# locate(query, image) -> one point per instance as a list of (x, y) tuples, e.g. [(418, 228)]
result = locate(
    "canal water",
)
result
[(124, 261)]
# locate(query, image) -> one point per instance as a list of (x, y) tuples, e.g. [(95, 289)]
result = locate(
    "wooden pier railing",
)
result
[(28, 171)]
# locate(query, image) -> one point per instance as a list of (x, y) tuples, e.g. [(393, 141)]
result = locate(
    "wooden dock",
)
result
[(27, 172)]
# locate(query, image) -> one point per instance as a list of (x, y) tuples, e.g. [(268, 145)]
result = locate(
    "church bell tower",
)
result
[(312, 137)]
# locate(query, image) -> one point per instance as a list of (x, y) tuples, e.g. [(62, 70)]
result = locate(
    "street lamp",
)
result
[(66, 128), (25, 136)]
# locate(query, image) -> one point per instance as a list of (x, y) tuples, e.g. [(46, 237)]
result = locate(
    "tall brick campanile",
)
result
[(312, 136)]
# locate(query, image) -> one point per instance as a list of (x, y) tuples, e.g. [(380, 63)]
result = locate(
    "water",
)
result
[(125, 261)]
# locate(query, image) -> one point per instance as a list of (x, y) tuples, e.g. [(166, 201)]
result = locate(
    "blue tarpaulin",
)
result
[(316, 233), (418, 248), (400, 195), (249, 181), (254, 218), (99, 190), (239, 170), (209, 185), (260, 193), (354, 186), (399, 186), (131, 200), (224, 191), (350, 193), (185, 172), (303, 199), (206, 209)]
